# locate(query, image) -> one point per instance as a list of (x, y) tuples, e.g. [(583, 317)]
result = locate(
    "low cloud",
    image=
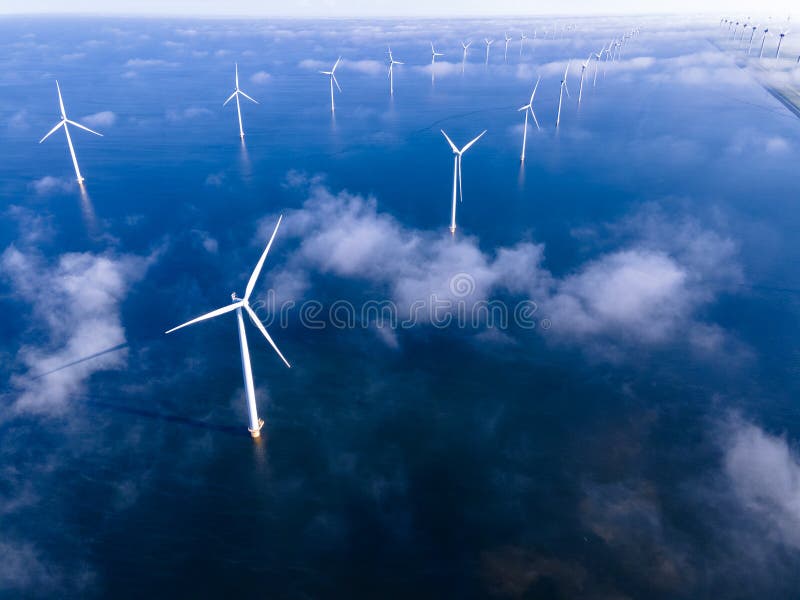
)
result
[(105, 118), (260, 77), (78, 316), (53, 185)]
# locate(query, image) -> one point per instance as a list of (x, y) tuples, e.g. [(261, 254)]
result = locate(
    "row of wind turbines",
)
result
[(242, 306), (734, 33)]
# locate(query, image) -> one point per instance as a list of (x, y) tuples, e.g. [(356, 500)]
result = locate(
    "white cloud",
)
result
[(137, 63), (50, 185), (105, 118), (260, 77), (765, 473), (192, 112), (79, 316)]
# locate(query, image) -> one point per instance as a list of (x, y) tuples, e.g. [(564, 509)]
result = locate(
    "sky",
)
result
[(372, 8)]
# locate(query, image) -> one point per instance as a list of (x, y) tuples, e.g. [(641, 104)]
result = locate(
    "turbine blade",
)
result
[(521, 108), (61, 101), (231, 97), (336, 64), (263, 330), (52, 131), (535, 120), (211, 315), (237, 75), (467, 147), (336, 82), (257, 271), (460, 185), (83, 127), (449, 141), (248, 97), (535, 87)]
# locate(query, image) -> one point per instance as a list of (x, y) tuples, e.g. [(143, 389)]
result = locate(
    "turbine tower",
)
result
[(561, 93), (529, 107), (332, 75), (238, 304), (392, 63), (508, 39), (63, 123), (236, 93), (457, 188)]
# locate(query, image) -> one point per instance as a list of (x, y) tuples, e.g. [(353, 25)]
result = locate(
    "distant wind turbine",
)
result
[(236, 93), (598, 57), (583, 73), (332, 75), (237, 304), (63, 123), (392, 63), (752, 35), (457, 188), (780, 41), (528, 108), (434, 54), (522, 38), (466, 46), (508, 39), (488, 45), (561, 93), (763, 39)]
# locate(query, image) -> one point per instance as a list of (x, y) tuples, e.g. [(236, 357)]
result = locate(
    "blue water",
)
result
[(563, 461)]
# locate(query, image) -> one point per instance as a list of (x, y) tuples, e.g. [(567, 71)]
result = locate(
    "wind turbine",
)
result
[(392, 63), (236, 93), (508, 39), (434, 54), (332, 75), (752, 35), (464, 57), (528, 107), (238, 304), (561, 93), (763, 39), (598, 57), (457, 174), (488, 45), (522, 38), (780, 41), (583, 72), (63, 123)]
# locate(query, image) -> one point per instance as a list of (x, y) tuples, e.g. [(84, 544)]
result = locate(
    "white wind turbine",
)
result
[(522, 38), (780, 41), (236, 93), (488, 45), (752, 35), (63, 123), (237, 304), (561, 93), (434, 54), (392, 63), (457, 188), (464, 57), (598, 57), (528, 108), (332, 75), (583, 72), (508, 39), (763, 39)]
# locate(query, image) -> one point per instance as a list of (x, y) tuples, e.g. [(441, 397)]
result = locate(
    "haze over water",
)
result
[(635, 437)]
